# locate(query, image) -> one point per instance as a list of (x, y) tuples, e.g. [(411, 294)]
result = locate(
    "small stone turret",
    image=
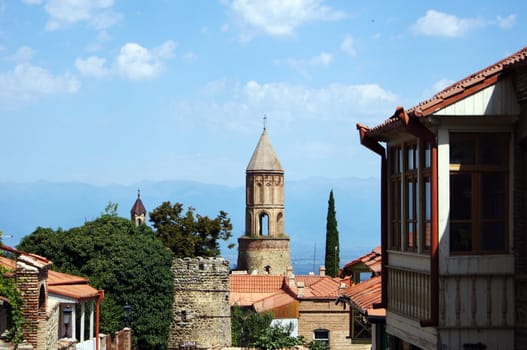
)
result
[(201, 314)]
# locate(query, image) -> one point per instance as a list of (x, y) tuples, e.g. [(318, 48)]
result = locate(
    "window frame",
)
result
[(475, 172), (410, 162)]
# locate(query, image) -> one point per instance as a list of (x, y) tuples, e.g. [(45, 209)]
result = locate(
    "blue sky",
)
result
[(109, 91)]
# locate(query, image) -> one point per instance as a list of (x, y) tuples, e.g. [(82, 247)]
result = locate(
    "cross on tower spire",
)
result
[(265, 122)]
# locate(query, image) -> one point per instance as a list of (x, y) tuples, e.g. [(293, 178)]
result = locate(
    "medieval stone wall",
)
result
[(52, 324), (269, 255), (201, 315)]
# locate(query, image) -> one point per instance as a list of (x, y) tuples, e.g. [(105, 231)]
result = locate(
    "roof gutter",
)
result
[(380, 150), (417, 129)]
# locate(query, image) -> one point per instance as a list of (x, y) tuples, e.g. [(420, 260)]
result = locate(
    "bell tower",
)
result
[(138, 211), (264, 249)]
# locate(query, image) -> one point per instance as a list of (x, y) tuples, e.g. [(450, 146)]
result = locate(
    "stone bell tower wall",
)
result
[(269, 255), (201, 315)]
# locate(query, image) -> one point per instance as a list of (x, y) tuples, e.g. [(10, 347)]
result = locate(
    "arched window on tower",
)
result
[(280, 223), (264, 224)]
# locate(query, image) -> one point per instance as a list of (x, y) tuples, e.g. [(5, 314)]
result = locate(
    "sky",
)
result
[(121, 91)]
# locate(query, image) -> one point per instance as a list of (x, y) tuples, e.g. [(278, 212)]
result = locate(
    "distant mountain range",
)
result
[(25, 206)]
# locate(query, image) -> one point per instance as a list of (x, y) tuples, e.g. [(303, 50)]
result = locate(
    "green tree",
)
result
[(332, 260), (254, 330), (189, 234), (126, 261)]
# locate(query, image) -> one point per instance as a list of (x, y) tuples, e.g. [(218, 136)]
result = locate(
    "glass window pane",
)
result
[(460, 237), (493, 149), (428, 150), (410, 240), (410, 157), (492, 236), (460, 197), (492, 196), (428, 199), (410, 199), (462, 149)]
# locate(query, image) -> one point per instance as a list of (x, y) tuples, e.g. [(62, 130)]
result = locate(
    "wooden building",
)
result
[(453, 230)]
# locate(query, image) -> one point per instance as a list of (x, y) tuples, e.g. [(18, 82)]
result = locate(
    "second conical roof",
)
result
[(264, 157)]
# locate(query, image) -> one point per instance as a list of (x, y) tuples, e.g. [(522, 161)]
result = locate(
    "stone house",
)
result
[(55, 305), (453, 209), (308, 302), (362, 295)]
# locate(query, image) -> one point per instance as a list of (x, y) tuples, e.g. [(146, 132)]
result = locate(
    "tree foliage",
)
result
[(252, 329), (9, 290), (189, 234), (124, 260), (332, 240)]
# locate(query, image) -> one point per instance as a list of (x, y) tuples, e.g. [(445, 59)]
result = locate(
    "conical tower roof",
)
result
[(138, 208), (264, 157)]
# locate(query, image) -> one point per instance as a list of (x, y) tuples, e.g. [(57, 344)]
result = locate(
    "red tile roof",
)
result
[(60, 283), (265, 292), (363, 295), (372, 260), (319, 287), (255, 283), (453, 93)]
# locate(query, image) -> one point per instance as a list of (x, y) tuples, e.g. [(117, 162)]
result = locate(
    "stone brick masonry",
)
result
[(201, 311)]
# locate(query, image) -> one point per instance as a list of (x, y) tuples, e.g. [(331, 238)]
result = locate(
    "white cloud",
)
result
[(27, 83), (65, 13), (279, 17), (190, 56), (506, 22), (23, 54), (136, 62), (287, 104), (442, 84), (92, 66), (347, 46), (323, 59), (440, 24), (302, 67)]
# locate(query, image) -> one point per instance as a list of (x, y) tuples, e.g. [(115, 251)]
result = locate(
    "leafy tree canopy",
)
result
[(254, 330), (126, 261), (190, 234)]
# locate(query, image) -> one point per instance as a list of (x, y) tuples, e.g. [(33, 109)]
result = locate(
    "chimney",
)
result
[(300, 288), (289, 271), (322, 270)]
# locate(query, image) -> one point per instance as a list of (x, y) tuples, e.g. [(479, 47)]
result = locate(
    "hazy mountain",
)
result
[(24, 206)]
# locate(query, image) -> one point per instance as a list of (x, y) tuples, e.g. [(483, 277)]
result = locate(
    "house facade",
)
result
[(453, 231), (57, 307), (307, 302)]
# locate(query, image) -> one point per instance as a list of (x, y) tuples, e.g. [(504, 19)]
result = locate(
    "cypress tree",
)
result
[(332, 240)]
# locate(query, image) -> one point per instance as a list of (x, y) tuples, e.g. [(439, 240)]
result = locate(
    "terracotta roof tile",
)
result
[(273, 301), (255, 283), (479, 79), (371, 260), (76, 291), (451, 94), (363, 295), (61, 283)]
